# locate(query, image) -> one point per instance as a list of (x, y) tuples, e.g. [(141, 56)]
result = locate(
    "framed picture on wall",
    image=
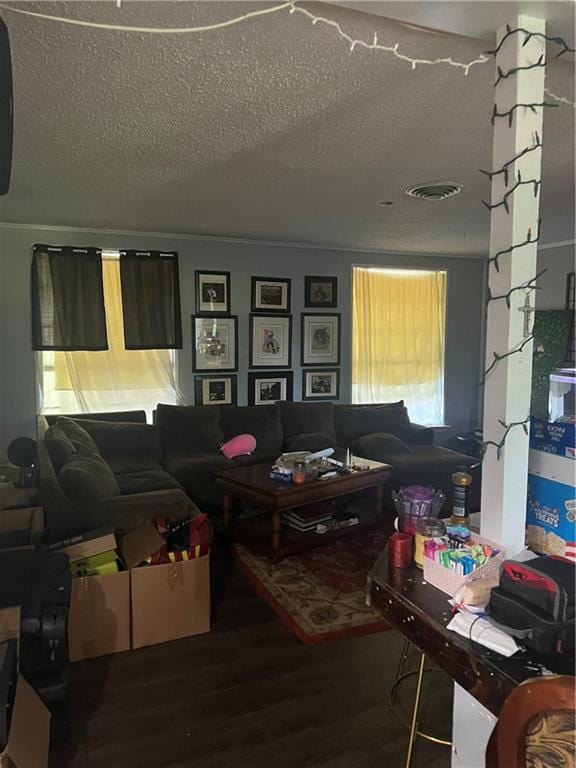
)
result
[(215, 390), (215, 343), (271, 294), (320, 292), (321, 385), (320, 339), (269, 388), (212, 293), (270, 341)]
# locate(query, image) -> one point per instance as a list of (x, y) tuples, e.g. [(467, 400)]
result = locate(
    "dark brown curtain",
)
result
[(150, 300), (68, 299)]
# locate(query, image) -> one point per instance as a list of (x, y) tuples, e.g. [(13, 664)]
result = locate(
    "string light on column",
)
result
[(504, 75), (529, 285), (494, 259), (507, 428), (510, 113), (564, 47), (498, 358), (504, 169), (536, 185)]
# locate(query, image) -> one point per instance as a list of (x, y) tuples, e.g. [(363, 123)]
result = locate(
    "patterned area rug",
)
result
[(321, 594)]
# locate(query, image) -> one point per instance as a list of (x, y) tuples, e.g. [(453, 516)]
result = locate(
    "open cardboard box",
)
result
[(141, 606), (29, 737), (99, 618), (168, 601), (22, 527)]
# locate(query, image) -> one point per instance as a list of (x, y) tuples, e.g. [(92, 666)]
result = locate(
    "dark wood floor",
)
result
[(247, 694)]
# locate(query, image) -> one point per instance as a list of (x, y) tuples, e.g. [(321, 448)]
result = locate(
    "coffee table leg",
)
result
[(379, 500), (276, 527), (226, 510)]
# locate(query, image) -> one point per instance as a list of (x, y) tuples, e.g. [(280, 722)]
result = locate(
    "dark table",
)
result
[(265, 533), (421, 612)]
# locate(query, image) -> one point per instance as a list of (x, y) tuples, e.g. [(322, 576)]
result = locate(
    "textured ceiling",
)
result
[(270, 129)]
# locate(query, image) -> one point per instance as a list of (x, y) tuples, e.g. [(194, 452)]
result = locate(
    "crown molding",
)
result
[(234, 240), (257, 241)]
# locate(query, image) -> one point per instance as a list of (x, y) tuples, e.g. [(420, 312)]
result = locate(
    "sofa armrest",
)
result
[(421, 435), (123, 513)]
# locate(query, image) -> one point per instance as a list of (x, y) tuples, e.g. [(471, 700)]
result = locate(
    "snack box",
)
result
[(558, 438), (551, 505)]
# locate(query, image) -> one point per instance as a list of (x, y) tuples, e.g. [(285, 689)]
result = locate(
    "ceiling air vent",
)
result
[(434, 190)]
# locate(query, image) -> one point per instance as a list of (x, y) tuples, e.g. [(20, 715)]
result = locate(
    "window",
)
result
[(398, 340), (111, 380)]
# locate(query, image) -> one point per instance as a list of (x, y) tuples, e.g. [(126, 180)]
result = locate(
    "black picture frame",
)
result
[(214, 397), (229, 321), (258, 302), (265, 360), (273, 378), (320, 292), (221, 305), (308, 385), (332, 356)]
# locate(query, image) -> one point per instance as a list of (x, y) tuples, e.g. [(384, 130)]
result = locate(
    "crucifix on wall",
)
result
[(528, 310)]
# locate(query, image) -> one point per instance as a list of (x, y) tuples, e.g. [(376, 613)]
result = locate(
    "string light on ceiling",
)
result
[(292, 7)]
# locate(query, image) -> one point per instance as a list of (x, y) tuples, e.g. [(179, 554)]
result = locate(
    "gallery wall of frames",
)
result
[(274, 333)]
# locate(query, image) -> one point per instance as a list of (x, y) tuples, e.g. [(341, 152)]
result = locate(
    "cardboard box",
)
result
[(551, 505), (170, 601), (99, 618), (558, 438), (22, 527), (87, 545), (29, 737)]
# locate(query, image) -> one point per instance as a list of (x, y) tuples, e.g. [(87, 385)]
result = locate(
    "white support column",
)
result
[(507, 387)]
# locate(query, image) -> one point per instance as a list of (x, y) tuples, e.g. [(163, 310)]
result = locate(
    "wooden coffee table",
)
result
[(265, 533)]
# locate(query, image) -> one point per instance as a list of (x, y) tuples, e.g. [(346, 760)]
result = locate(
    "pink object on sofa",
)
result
[(238, 446)]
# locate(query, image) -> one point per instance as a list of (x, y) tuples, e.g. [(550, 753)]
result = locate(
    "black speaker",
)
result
[(6, 110)]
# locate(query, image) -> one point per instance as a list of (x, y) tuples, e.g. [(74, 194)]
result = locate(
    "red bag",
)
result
[(199, 540)]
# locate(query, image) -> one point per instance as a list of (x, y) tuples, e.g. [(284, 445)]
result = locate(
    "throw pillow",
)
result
[(308, 418), (80, 439), (126, 446), (311, 441), (88, 477), (263, 422), (188, 429), (379, 446), (353, 421), (59, 447)]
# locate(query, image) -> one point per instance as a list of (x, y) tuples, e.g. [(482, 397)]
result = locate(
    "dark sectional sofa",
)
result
[(169, 467)]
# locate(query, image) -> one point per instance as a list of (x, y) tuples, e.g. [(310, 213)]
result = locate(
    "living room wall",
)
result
[(464, 323)]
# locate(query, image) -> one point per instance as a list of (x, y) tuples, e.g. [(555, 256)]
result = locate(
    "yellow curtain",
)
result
[(115, 369), (398, 338)]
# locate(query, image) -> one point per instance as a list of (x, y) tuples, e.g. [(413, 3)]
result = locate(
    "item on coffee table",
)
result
[(426, 528), (400, 550), (414, 502), (299, 473)]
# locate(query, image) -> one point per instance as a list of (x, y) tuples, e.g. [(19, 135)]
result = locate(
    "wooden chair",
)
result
[(536, 727)]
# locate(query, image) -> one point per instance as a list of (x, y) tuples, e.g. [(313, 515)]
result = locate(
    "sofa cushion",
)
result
[(310, 441), (308, 418), (59, 447), (195, 471), (126, 446), (149, 480), (262, 421), (379, 446), (189, 428), (353, 421), (85, 478), (80, 439)]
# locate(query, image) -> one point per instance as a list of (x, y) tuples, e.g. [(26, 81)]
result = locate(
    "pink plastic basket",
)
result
[(449, 581)]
